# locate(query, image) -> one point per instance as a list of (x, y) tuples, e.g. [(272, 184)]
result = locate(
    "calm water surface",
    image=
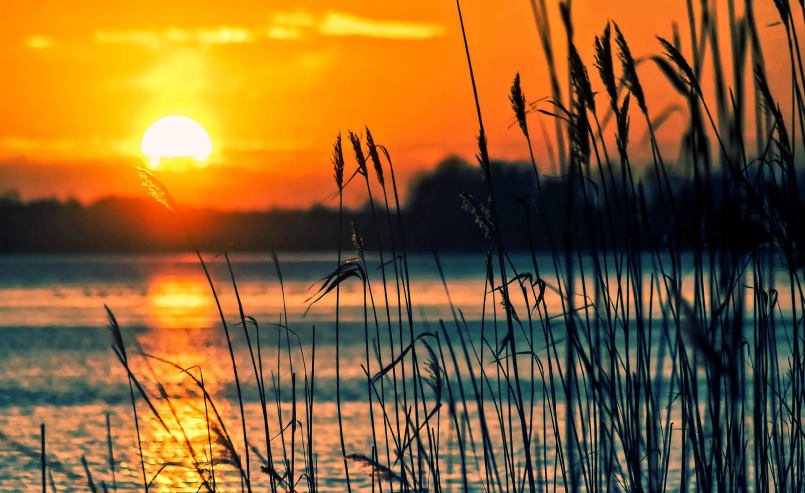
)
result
[(57, 366)]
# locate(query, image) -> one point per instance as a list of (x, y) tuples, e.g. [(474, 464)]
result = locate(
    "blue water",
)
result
[(57, 366)]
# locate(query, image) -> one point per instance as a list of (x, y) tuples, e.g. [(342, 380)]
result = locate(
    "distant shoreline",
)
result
[(443, 212)]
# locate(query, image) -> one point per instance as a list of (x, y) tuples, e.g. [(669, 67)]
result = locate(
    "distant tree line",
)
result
[(445, 211)]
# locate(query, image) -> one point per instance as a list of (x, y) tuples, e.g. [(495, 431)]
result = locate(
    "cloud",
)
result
[(224, 35), (156, 38), (14, 147), (283, 32), (290, 25), (344, 24), (297, 18), (283, 25), (37, 42)]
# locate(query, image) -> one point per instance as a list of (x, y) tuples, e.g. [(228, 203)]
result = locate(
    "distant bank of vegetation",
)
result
[(440, 214)]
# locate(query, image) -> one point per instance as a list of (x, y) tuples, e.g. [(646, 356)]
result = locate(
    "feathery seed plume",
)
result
[(359, 157), (629, 70), (517, 99), (375, 157), (337, 159), (606, 69), (357, 240)]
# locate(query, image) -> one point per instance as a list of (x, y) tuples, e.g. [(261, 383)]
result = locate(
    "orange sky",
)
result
[(273, 82)]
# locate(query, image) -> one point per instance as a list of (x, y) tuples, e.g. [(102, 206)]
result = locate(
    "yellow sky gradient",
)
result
[(273, 82)]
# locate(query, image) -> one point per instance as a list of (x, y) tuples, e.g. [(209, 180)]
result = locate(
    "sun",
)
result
[(176, 136)]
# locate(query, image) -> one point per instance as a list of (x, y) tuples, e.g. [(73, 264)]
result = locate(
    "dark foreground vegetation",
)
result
[(675, 359)]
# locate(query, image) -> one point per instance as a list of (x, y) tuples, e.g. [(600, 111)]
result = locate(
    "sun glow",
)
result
[(179, 302), (176, 136)]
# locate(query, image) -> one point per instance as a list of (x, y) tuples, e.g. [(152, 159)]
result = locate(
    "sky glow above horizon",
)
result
[(274, 84)]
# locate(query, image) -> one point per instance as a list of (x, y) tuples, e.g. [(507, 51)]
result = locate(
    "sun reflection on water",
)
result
[(180, 302), (185, 443), (186, 438)]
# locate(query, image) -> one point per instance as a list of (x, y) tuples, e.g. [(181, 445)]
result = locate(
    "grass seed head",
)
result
[(630, 70), (156, 189), (580, 79), (359, 156), (606, 69), (357, 240), (337, 159), (375, 157), (517, 99)]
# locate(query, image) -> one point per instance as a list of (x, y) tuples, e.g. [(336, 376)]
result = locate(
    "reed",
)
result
[(44, 458), (631, 356)]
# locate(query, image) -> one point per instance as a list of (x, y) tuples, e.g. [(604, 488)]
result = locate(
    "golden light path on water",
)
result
[(67, 377), (180, 302), (178, 447)]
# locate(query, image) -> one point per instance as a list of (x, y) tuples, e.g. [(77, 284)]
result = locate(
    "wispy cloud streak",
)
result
[(156, 38), (291, 25), (343, 24), (38, 42)]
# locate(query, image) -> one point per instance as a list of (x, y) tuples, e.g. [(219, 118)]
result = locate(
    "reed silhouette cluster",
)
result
[(670, 359)]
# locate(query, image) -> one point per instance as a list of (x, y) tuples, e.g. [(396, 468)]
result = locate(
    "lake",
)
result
[(57, 365)]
